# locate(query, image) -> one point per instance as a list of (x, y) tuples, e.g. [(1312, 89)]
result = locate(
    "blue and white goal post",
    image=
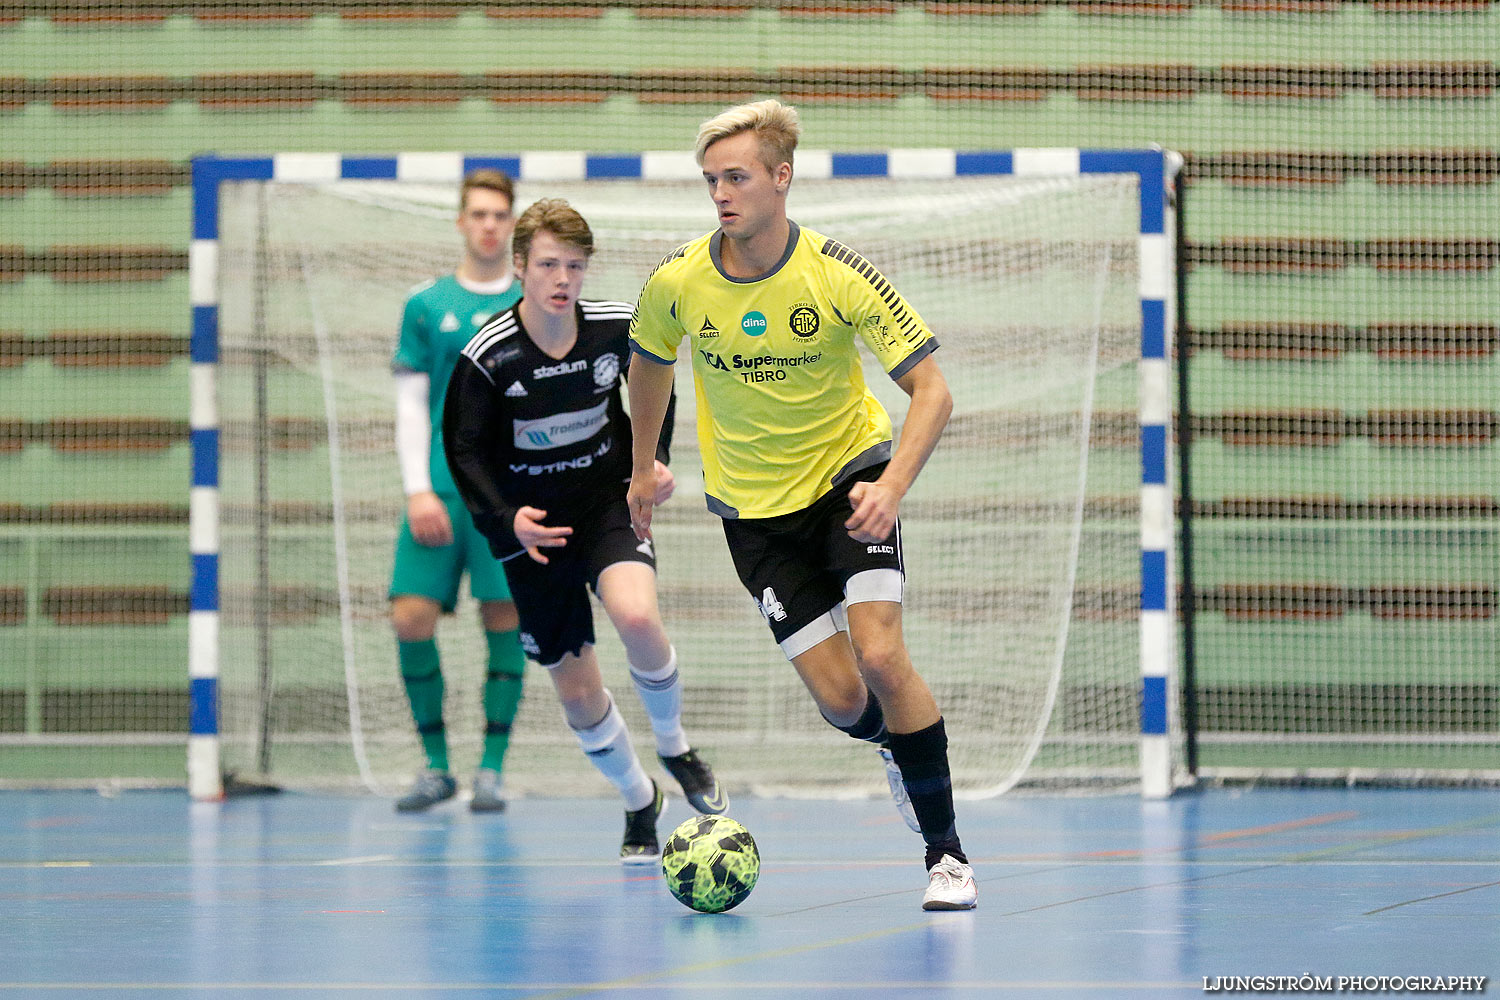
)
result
[(1155, 172)]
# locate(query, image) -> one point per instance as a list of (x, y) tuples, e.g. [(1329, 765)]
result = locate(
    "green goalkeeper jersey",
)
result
[(440, 319)]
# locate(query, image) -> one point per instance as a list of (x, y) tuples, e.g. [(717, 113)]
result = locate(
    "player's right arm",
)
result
[(470, 421), (650, 386), (654, 336), (425, 511)]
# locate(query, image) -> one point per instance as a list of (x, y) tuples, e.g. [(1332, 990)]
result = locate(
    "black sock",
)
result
[(870, 726), (923, 759)]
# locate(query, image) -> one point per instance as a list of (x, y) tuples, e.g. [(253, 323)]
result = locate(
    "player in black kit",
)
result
[(539, 445)]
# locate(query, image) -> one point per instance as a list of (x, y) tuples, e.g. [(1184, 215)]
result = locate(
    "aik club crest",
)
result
[(803, 321)]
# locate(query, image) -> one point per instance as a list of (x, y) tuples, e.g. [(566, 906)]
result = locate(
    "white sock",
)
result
[(607, 745), (660, 691)]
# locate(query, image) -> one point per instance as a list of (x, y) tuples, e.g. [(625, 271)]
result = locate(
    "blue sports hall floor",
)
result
[(144, 894)]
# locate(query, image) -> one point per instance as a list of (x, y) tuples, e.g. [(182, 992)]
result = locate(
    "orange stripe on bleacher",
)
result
[(1134, 83), (1321, 508), (12, 602), (139, 605), (1310, 254), (401, 88), (1323, 428), (1276, 341), (107, 263), (112, 178), (819, 84), (1264, 82)]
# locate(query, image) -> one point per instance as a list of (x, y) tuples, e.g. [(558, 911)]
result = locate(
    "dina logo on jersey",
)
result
[(753, 323), (707, 331), (606, 370), (804, 321)]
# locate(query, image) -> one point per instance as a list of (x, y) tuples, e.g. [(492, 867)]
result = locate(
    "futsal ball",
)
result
[(711, 863)]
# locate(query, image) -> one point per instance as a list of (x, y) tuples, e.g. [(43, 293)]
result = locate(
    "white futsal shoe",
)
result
[(950, 886)]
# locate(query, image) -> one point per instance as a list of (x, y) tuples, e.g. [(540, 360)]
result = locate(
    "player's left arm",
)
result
[(877, 504), (895, 333)]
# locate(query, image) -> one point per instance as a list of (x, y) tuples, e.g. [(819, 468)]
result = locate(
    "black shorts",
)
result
[(552, 599), (802, 568)]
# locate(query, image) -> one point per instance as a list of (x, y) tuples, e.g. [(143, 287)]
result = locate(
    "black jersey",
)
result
[(521, 428)]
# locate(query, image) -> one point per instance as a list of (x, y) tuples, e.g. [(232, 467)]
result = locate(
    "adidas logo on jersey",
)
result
[(449, 323), (516, 389)]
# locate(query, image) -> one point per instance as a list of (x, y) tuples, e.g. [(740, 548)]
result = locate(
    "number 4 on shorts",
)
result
[(770, 607)]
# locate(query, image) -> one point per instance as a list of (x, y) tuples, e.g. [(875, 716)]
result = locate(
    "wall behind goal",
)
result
[(1342, 298)]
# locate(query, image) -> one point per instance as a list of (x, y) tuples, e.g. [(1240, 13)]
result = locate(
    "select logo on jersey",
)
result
[(606, 370), (753, 323), (516, 390), (804, 321), (707, 331), (562, 368), (449, 323), (770, 607), (560, 430)]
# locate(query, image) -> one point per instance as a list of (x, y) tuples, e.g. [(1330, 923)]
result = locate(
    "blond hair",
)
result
[(776, 127), (557, 217), (488, 179)]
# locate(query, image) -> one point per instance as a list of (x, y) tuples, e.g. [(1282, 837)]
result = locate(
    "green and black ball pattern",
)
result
[(711, 863)]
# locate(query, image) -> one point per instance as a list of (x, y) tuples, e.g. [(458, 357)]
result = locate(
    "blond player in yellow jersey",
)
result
[(798, 456)]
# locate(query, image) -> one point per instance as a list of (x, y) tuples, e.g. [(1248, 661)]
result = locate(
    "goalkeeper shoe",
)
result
[(640, 846), (487, 796), (698, 782), (950, 886), (431, 787), (898, 790)]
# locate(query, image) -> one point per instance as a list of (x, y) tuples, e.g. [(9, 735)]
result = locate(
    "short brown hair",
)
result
[(776, 127), (557, 217), (489, 179)]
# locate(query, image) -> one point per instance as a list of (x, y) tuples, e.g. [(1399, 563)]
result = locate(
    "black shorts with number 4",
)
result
[(798, 566), (552, 599)]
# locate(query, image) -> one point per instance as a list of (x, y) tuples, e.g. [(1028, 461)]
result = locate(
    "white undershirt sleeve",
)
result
[(414, 431)]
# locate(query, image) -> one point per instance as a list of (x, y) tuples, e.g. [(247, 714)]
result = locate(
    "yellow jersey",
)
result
[(784, 413)]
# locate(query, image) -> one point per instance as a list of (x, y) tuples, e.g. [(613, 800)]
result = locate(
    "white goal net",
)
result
[(1022, 536)]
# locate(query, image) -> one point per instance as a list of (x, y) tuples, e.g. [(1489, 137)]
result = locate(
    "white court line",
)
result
[(904, 989)]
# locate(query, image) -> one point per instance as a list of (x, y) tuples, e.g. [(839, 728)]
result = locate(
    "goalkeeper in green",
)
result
[(438, 542)]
